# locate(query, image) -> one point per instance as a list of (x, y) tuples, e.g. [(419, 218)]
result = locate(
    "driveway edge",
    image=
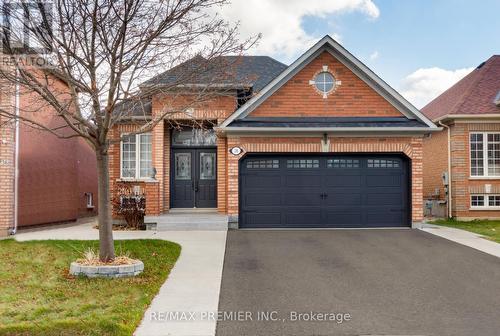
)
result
[(470, 239)]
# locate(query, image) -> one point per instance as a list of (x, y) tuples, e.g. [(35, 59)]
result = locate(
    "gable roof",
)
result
[(473, 95), (223, 71), (357, 67)]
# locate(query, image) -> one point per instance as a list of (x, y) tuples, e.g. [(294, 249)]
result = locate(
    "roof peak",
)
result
[(327, 43), (474, 94)]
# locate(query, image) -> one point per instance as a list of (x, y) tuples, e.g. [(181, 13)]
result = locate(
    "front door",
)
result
[(194, 178)]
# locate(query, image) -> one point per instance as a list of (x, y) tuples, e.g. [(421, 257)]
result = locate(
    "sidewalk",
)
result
[(463, 237), (192, 286)]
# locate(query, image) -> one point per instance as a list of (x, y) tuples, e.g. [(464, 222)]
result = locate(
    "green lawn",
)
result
[(487, 228), (39, 297)]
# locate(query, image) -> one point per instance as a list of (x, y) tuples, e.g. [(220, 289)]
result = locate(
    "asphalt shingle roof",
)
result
[(474, 94), (228, 71), (232, 72)]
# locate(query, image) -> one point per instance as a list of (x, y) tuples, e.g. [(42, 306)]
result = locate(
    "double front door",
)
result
[(194, 178)]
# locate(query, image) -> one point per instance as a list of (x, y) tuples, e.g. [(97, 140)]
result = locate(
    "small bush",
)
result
[(130, 204)]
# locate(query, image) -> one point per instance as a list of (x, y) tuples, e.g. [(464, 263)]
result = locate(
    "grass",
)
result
[(39, 297), (487, 228)]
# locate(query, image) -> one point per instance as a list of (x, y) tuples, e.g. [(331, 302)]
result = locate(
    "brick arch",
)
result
[(370, 146)]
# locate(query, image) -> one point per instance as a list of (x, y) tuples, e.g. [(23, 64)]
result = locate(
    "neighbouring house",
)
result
[(465, 157), (43, 179), (323, 142)]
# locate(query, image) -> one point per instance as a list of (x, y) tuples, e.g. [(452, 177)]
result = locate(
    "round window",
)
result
[(324, 81)]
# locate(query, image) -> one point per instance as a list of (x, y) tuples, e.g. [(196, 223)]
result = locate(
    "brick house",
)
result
[(468, 148), (43, 179), (323, 142)]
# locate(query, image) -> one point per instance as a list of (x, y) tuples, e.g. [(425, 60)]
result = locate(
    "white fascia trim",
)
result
[(468, 116), (348, 60)]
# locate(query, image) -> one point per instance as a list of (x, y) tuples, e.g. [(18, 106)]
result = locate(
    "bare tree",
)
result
[(86, 60)]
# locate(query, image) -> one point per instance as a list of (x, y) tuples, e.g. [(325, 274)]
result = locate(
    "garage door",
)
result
[(278, 191)]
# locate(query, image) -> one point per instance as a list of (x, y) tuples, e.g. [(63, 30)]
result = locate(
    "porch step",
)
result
[(202, 221), (192, 210)]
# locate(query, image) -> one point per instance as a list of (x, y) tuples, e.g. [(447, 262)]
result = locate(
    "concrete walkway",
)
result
[(192, 286), (463, 237)]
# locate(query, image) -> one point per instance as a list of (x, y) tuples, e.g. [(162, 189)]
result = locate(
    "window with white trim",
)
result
[(485, 202), (485, 154), (136, 157)]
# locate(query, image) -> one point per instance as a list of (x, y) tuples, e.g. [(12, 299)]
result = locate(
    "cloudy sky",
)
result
[(420, 47)]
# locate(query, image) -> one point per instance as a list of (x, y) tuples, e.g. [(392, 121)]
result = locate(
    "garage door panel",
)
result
[(262, 199), (343, 181), (303, 199), (311, 217), (342, 199), (384, 181), (384, 218), (384, 199), (302, 181), (262, 181), (339, 218), (324, 191), (262, 219)]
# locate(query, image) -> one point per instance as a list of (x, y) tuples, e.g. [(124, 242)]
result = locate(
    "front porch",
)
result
[(180, 169)]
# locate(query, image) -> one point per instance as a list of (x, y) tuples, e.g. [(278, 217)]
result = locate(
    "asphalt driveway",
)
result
[(378, 282)]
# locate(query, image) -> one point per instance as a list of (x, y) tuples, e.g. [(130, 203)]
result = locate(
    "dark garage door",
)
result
[(324, 191)]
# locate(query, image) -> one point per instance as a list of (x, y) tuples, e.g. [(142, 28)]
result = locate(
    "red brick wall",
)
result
[(87, 177), (435, 163), (353, 98), (412, 147), (54, 173), (222, 153), (212, 107), (158, 192), (462, 184)]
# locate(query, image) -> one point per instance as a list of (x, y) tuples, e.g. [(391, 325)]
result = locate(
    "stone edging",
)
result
[(108, 271)]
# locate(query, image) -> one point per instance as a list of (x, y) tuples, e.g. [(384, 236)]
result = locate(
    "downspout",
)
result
[(449, 169), (13, 230)]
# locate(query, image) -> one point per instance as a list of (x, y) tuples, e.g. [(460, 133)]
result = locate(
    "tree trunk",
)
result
[(106, 243)]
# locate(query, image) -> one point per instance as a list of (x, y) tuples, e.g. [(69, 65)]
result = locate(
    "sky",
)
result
[(419, 47)]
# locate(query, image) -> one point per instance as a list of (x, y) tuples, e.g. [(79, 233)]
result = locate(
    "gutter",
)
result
[(449, 196), (13, 230), (328, 129)]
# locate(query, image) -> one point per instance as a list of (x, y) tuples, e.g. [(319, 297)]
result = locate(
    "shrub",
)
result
[(130, 204)]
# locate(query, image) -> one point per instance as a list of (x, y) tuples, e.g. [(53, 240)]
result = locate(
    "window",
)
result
[(342, 163), (263, 164), (485, 154), (302, 163), (207, 166), (485, 202), (194, 137), (383, 163), (182, 164), (477, 201), (324, 82), (136, 156), (494, 200)]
